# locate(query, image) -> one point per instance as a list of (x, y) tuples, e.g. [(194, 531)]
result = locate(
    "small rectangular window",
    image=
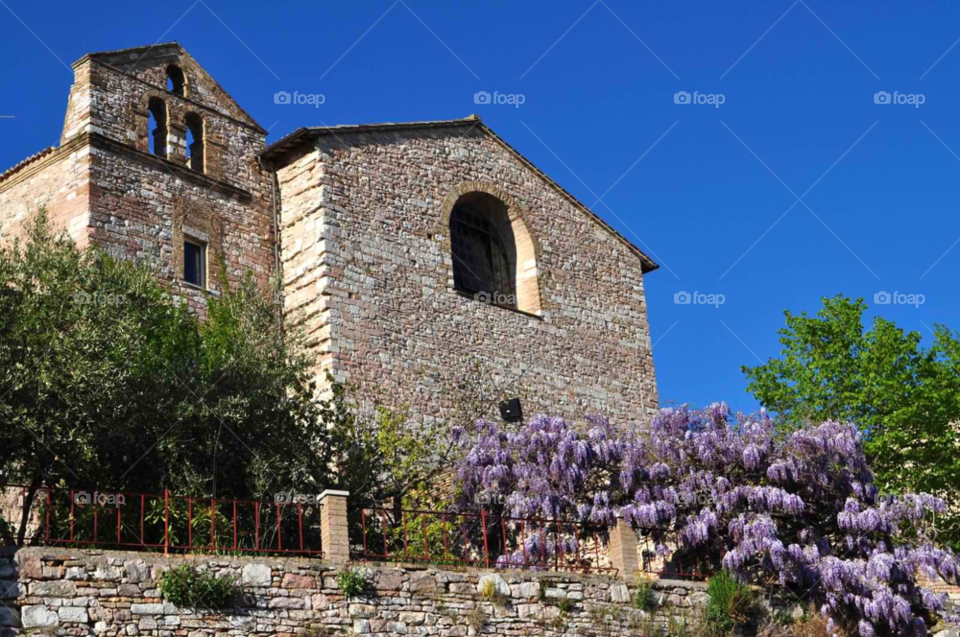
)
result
[(195, 263)]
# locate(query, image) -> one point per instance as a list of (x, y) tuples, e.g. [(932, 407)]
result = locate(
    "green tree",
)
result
[(107, 380), (904, 397)]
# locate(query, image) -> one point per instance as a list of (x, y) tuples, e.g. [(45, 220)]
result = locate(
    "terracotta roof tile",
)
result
[(26, 162)]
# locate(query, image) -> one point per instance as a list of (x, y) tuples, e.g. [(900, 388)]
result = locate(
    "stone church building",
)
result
[(420, 257)]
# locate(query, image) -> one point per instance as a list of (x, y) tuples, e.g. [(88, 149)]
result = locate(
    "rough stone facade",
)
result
[(364, 244), (88, 592), (105, 187), (365, 251)]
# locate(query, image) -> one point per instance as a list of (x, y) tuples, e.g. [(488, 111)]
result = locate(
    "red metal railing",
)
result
[(456, 534), (480, 539), (171, 522)]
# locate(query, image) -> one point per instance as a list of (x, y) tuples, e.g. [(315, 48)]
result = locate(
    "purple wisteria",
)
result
[(797, 509)]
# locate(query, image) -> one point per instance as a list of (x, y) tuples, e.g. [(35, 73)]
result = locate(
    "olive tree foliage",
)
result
[(107, 380)]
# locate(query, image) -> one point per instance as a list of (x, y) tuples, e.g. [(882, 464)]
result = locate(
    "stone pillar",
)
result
[(333, 526), (623, 550)]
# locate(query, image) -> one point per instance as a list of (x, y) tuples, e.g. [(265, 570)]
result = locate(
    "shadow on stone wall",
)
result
[(10, 592)]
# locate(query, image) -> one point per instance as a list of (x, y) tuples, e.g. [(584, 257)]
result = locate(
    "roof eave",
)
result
[(292, 140)]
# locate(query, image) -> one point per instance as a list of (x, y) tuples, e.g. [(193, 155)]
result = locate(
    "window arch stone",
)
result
[(176, 81), (504, 214), (157, 111), (195, 150)]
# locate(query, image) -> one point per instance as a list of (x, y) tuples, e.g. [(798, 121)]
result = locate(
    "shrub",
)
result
[(186, 586), (811, 624), (352, 582), (489, 592), (678, 627), (645, 596), (477, 618), (116, 345), (730, 604)]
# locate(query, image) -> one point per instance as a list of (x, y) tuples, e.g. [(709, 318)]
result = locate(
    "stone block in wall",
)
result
[(137, 571), (53, 588), (256, 575), (38, 616), (73, 614)]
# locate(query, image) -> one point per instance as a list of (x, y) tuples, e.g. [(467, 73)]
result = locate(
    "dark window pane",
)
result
[(481, 262), (194, 266)]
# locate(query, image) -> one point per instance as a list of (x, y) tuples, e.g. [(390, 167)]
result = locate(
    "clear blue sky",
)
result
[(599, 98)]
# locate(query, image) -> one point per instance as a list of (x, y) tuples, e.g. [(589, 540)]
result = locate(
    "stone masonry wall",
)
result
[(58, 181), (365, 253), (89, 592)]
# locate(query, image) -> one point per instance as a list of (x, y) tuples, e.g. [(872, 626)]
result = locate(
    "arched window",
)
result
[(158, 126), (195, 157), (175, 80), (484, 249)]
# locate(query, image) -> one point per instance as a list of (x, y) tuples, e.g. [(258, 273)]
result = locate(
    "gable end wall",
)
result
[(366, 262)]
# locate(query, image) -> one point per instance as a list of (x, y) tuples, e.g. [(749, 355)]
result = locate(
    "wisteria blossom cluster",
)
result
[(798, 509)]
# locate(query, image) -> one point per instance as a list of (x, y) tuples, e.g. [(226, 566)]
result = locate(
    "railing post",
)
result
[(623, 550), (334, 533), (166, 521), (486, 548)]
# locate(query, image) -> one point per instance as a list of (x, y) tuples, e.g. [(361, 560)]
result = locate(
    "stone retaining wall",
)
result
[(92, 592)]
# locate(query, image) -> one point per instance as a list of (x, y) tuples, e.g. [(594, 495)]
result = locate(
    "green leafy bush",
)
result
[(186, 586), (93, 353), (730, 605), (645, 597), (352, 582)]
